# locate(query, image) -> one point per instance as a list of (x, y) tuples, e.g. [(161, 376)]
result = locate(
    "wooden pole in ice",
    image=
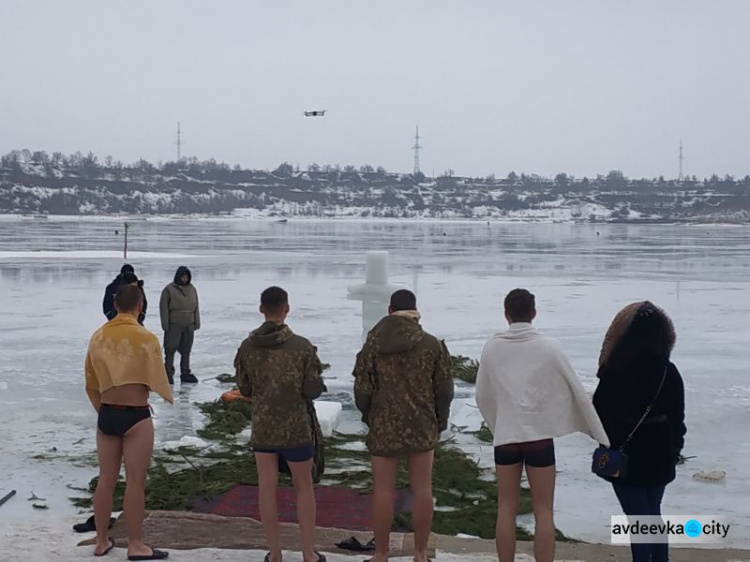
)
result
[(125, 246)]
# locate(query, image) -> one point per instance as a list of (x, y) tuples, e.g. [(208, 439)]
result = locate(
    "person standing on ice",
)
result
[(123, 365), (180, 318), (403, 387), (528, 394), (126, 277), (281, 374)]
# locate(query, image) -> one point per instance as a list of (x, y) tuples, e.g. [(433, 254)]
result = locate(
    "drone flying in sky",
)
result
[(317, 113)]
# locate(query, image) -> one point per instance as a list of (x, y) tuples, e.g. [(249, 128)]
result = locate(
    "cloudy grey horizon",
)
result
[(580, 87)]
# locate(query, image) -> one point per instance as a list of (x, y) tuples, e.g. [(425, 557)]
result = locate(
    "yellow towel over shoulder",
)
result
[(124, 352)]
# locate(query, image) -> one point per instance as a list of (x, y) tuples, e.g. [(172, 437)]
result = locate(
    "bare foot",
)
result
[(103, 548), (144, 552)]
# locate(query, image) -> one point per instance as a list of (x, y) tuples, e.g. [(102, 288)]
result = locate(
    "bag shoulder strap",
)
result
[(648, 410)]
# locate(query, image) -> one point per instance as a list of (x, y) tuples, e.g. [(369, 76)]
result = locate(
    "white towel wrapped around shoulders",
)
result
[(527, 390)]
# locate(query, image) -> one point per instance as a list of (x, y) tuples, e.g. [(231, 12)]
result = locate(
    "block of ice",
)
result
[(375, 291), (376, 285), (710, 476), (329, 416)]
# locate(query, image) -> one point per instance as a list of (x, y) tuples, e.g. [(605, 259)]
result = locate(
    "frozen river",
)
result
[(53, 273)]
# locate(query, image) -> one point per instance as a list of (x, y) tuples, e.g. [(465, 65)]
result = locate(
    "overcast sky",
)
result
[(543, 87)]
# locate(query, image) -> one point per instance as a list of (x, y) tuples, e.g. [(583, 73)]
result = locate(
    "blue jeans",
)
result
[(643, 500)]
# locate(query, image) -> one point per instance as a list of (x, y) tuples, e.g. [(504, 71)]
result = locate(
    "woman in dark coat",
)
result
[(633, 362)]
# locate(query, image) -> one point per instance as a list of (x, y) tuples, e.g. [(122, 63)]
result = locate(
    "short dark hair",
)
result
[(127, 268), (520, 305), (128, 297), (403, 299), (274, 299)]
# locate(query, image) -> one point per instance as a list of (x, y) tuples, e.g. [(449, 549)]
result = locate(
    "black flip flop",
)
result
[(354, 544), (267, 557), (90, 525), (155, 555), (321, 557), (109, 548)]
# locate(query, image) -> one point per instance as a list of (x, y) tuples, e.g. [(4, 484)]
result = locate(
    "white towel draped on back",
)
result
[(527, 390)]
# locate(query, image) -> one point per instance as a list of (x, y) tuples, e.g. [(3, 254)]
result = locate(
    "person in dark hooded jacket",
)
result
[(281, 374), (180, 318), (126, 277), (634, 371), (403, 386)]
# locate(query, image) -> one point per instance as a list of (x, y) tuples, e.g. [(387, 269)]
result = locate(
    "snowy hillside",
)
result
[(36, 183)]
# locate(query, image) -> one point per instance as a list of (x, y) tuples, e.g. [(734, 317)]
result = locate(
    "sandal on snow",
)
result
[(353, 543), (90, 525), (155, 555), (108, 549)]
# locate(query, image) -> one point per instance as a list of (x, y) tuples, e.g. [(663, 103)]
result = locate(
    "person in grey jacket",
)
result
[(180, 318)]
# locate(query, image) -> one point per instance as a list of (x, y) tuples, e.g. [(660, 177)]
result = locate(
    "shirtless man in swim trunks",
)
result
[(123, 365)]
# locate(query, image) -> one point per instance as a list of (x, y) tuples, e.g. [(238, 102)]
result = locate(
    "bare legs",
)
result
[(268, 480), (542, 484), (135, 447), (303, 486), (508, 495), (138, 444), (384, 482), (109, 451), (384, 471), (420, 482)]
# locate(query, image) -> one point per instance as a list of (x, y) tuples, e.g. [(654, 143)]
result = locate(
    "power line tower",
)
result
[(179, 142), (681, 158), (416, 148)]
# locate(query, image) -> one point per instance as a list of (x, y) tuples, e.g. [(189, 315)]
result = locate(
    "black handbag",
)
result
[(613, 463)]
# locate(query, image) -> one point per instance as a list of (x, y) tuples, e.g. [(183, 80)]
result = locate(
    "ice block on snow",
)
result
[(329, 416)]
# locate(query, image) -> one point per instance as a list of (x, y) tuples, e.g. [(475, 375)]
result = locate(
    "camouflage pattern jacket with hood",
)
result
[(403, 386), (281, 373)]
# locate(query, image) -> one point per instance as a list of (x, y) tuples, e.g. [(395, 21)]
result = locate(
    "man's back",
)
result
[(527, 390), (403, 386), (124, 352), (281, 373), (108, 303), (522, 364)]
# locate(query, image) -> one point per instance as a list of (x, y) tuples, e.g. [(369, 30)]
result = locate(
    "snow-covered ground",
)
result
[(33, 541), (53, 274)]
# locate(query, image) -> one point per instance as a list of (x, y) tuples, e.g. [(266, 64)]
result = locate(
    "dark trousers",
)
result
[(643, 500), (178, 339)]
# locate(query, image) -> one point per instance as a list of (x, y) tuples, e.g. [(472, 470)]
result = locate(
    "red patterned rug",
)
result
[(337, 507)]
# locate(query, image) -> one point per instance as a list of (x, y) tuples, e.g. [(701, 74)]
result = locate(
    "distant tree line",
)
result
[(89, 166)]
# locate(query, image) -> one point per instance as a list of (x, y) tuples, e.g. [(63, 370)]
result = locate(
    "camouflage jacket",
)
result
[(281, 373), (403, 387)]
